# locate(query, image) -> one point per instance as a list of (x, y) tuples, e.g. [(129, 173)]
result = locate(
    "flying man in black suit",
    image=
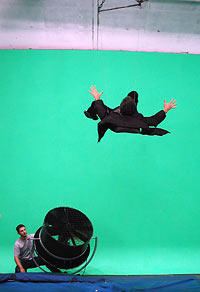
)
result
[(125, 118)]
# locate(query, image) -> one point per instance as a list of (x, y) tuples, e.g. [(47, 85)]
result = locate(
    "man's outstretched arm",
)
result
[(161, 115), (97, 108)]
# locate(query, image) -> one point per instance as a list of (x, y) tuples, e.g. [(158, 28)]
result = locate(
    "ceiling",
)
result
[(158, 25)]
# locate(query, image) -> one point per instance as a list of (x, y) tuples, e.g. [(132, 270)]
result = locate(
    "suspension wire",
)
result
[(137, 57), (98, 14), (137, 51), (99, 36), (138, 47), (103, 60), (93, 24)]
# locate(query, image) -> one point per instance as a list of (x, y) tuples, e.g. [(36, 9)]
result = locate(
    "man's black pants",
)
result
[(30, 264)]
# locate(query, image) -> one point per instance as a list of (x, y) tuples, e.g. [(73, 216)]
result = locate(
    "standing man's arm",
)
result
[(16, 258), (17, 261)]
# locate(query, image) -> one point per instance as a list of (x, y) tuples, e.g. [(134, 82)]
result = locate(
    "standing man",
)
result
[(22, 253)]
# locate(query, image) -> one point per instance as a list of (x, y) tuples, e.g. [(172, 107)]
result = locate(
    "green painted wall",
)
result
[(141, 193)]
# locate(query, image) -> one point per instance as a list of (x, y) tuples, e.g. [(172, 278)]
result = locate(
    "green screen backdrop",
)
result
[(141, 193)]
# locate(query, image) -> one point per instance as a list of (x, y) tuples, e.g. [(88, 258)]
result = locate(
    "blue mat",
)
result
[(36, 282)]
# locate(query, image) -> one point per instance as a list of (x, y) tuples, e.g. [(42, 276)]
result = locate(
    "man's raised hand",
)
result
[(170, 105), (95, 93)]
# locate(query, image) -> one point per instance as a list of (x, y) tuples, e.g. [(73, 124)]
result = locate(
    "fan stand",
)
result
[(33, 251)]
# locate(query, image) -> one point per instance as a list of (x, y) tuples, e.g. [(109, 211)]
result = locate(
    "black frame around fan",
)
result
[(63, 240)]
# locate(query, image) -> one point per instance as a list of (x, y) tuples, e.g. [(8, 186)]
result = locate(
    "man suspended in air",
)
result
[(125, 118)]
